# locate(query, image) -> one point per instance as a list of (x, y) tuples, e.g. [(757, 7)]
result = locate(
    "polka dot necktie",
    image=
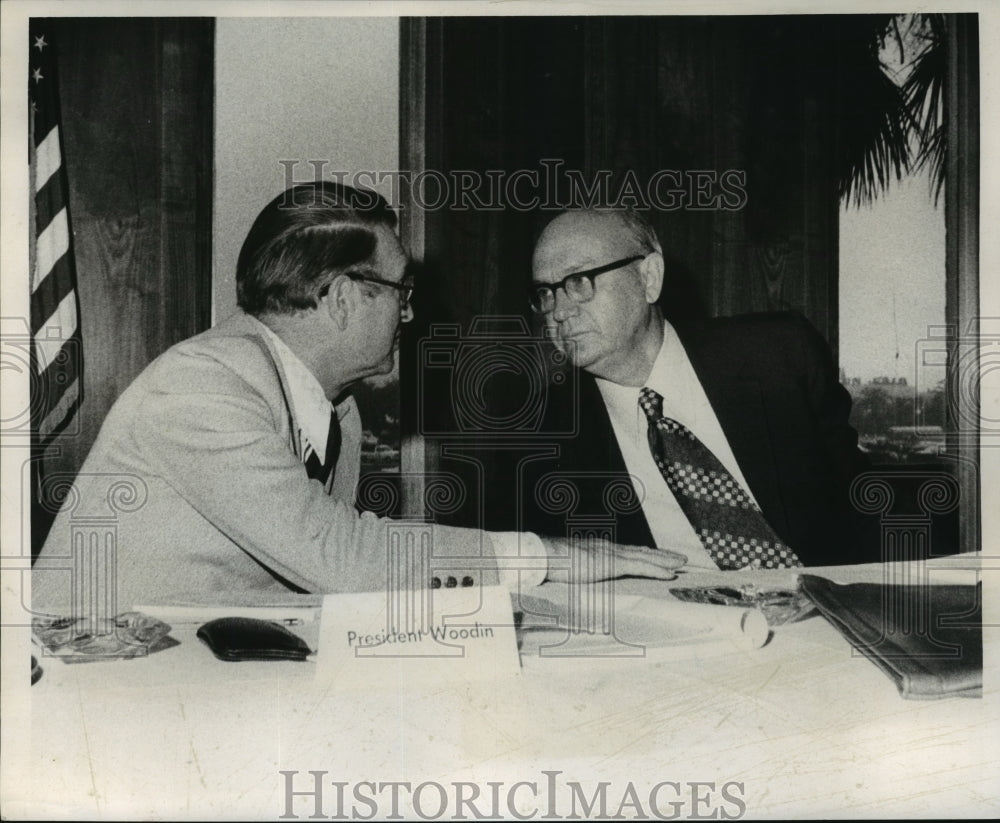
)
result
[(730, 526)]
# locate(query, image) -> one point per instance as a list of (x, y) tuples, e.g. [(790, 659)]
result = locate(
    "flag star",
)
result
[(37, 75), (40, 42)]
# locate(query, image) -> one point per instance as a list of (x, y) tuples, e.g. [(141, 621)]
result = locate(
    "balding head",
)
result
[(613, 329), (611, 234)]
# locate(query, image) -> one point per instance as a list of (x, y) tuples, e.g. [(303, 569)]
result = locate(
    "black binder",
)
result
[(928, 639)]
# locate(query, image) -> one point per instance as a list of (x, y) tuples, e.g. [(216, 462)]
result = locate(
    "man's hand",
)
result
[(593, 560)]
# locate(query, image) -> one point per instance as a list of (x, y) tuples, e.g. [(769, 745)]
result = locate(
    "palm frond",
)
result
[(924, 95), (872, 112), (934, 154), (888, 130), (876, 149)]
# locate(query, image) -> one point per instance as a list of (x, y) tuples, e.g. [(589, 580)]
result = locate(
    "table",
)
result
[(801, 727)]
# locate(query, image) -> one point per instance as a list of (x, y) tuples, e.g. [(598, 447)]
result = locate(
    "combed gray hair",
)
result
[(301, 239)]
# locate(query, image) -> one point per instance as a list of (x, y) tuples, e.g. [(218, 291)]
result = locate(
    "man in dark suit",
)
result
[(733, 432)]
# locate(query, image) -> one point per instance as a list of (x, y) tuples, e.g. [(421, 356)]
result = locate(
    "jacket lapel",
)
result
[(597, 447), (737, 398), (253, 331)]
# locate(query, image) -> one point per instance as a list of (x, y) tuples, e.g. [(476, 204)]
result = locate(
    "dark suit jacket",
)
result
[(773, 385)]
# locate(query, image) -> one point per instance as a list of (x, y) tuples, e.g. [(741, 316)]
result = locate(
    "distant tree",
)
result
[(932, 407), (902, 411), (872, 413), (378, 405)]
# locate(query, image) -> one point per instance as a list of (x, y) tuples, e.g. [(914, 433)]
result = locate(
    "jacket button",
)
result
[(451, 582), (468, 581), (435, 582)]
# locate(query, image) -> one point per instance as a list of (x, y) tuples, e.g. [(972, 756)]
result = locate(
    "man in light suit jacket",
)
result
[(760, 393), (228, 468)]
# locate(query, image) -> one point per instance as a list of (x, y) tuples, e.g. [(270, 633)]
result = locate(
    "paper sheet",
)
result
[(635, 626)]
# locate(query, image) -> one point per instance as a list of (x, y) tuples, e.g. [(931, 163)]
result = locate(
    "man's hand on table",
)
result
[(597, 560)]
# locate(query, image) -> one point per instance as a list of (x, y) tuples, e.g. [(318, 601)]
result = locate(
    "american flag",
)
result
[(57, 379)]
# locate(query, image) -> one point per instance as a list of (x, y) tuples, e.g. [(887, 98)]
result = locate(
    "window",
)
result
[(892, 303)]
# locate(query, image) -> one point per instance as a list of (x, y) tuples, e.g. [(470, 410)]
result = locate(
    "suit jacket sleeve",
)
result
[(857, 536), (831, 403), (216, 440)]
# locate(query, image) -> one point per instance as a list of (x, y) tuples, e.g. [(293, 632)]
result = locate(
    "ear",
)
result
[(340, 301), (651, 269)]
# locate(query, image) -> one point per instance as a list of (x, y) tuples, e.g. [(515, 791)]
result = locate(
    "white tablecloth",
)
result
[(803, 726)]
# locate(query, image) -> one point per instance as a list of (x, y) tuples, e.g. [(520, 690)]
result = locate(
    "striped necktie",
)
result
[(729, 524), (315, 468)]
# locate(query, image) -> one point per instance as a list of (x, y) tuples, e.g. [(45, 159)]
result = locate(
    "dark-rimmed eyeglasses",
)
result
[(579, 286), (405, 289)]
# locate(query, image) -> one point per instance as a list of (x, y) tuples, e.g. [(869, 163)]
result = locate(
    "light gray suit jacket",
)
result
[(195, 492)]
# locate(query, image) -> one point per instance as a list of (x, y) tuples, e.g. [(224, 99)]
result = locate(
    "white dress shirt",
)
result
[(685, 401), (311, 411)]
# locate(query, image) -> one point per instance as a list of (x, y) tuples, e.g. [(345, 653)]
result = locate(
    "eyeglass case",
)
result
[(245, 638)]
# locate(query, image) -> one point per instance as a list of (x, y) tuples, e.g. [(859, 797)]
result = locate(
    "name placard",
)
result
[(427, 636)]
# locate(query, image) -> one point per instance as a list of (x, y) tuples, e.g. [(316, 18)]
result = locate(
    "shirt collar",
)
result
[(666, 373), (663, 375), (310, 406)]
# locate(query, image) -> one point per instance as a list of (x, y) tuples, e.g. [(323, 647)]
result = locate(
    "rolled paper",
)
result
[(666, 622), (755, 628), (648, 626)]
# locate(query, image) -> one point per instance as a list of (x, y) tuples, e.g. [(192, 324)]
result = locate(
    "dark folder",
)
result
[(928, 639)]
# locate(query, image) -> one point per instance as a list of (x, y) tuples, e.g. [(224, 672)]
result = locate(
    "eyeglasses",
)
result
[(405, 289), (579, 286)]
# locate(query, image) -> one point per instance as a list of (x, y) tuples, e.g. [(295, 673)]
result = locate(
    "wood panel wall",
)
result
[(136, 97)]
